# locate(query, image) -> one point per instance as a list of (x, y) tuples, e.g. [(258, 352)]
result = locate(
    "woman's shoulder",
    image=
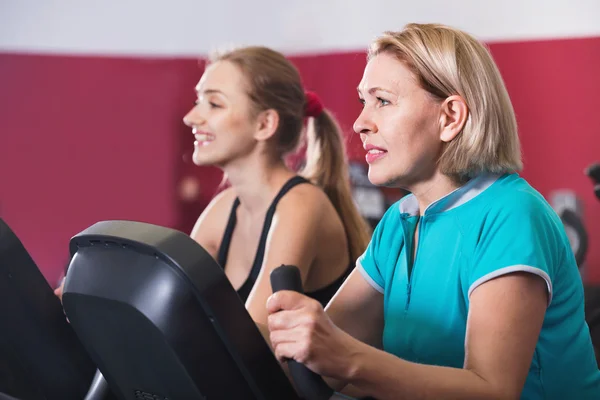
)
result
[(211, 223), (513, 197), (307, 195), (220, 206), (309, 205)]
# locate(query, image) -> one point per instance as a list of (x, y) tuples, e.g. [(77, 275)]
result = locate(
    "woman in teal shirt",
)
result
[(469, 288)]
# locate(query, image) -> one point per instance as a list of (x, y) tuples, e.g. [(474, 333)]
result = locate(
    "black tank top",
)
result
[(321, 295)]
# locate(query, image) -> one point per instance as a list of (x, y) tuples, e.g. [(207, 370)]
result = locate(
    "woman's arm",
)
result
[(357, 309), (505, 318), (292, 240), (354, 314)]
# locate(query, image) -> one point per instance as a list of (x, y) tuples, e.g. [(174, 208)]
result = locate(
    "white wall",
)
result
[(193, 27)]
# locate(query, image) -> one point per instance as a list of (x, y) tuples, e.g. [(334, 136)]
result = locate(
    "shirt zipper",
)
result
[(421, 224)]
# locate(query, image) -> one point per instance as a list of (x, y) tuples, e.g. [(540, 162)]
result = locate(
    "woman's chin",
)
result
[(378, 179), (201, 160)]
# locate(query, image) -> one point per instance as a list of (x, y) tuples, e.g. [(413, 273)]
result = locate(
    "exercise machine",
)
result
[(161, 321), (40, 355)]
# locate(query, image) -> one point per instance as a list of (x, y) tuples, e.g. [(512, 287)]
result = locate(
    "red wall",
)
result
[(84, 139)]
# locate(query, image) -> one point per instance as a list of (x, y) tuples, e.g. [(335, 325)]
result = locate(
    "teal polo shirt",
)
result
[(492, 226)]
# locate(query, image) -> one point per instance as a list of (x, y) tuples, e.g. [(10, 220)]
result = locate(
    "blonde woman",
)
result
[(469, 288)]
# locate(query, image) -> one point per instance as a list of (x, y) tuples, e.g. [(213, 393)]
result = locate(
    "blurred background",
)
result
[(92, 96)]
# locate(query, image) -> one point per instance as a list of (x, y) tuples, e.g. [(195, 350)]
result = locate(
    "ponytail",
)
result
[(326, 166), (274, 83)]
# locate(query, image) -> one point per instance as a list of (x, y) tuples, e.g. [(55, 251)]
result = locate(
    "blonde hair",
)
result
[(274, 83), (446, 62)]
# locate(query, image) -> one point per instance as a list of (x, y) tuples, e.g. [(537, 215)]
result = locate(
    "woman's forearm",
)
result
[(385, 376)]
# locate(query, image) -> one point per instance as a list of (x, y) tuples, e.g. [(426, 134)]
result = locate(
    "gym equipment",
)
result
[(40, 355), (593, 171), (570, 211), (310, 385), (161, 321), (592, 293)]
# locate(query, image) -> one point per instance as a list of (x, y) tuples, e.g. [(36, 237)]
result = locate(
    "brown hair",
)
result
[(275, 83)]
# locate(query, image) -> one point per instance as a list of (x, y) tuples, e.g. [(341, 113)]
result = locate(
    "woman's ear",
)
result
[(454, 114), (267, 122)]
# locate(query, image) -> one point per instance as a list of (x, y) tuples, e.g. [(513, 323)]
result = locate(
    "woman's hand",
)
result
[(301, 330), (59, 290)]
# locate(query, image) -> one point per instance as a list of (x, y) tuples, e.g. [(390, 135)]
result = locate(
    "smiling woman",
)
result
[(250, 112)]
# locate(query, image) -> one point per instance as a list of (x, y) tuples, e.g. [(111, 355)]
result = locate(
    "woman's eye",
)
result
[(382, 102), (210, 104)]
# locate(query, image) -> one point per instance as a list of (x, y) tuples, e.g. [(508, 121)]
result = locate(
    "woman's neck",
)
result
[(256, 181), (432, 189)]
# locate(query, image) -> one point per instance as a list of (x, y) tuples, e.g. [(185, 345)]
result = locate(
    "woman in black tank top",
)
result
[(322, 295), (250, 113)]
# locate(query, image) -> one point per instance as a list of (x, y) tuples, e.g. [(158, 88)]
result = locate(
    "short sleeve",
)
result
[(520, 235), (375, 261)]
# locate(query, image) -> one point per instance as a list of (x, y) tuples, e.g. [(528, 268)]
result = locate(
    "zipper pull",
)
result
[(408, 289)]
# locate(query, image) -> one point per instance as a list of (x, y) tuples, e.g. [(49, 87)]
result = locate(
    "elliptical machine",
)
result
[(161, 321), (148, 307), (592, 293), (593, 171)]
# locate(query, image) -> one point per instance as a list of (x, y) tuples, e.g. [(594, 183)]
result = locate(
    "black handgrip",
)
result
[(593, 171), (310, 385), (286, 277), (572, 220)]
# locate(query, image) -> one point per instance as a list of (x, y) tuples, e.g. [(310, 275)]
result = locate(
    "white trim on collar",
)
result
[(409, 205)]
